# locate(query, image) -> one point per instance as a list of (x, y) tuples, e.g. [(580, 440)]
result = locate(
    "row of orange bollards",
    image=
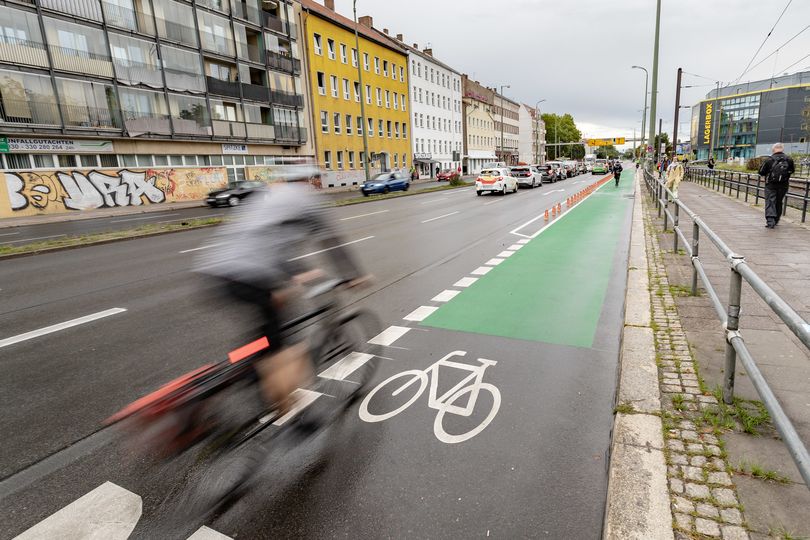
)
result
[(574, 199)]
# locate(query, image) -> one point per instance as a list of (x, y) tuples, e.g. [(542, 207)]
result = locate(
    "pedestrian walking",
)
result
[(710, 165), (675, 173), (777, 170), (438, 170), (617, 171)]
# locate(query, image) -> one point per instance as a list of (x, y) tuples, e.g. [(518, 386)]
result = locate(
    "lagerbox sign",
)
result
[(234, 148), (706, 124), (59, 145)]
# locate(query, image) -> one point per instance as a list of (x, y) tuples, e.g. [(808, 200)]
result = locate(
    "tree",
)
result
[(628, 154), (563, 129), (607, 152), (662, 139)]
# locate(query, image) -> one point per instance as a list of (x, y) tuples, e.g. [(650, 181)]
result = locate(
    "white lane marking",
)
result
[(420, 313), (559, 218), (9, 234), (553, 191), (491, 202), (61, 326), (330, 248), (465, 282), (440, 217), (515, 247), (345, 366), (445, 296), (31, 239), (204, 533), (143, 218), (389, 335), (495, 261), (435, 200), (580, 181), (303, 399), (457, 191), (364, 215), (189, 218), (109, 511), (524, 241), (481, 270), (505, 254), (199, 248)]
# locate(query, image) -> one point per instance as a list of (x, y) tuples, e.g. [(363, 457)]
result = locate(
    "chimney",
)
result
[(416, 46), (366, 20), (428, 52), (330, 4), (385, 31), (400, 37)]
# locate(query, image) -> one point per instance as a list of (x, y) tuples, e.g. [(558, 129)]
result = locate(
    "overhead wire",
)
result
[(800, 32), (764, 40), (794, 63)]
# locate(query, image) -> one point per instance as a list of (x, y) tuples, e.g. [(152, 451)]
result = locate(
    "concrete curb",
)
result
[(638, 504)]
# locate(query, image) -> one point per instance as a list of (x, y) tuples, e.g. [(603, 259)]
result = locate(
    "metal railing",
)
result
[(130, 19), (80, 61), (21, 111), (23, 51), (671, 209), (751, 186)]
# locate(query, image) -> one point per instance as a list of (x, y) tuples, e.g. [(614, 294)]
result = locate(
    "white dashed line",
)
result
[(345, 366), (495, 261), (330, 249), (465, 282), (303, 399), (143, 218), (481, 270), (445, 296), (61, 326), (389, 335), (524, 241), (420, 313), (364, 215), (9, 234), (199, 248), (31, 239), (515, 247), (189, 218), (505, 254), (491, 202), (440, 217), (204, 533), (435, 200)]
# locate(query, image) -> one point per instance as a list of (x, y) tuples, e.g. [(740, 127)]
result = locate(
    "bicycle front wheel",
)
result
[(438, 426)]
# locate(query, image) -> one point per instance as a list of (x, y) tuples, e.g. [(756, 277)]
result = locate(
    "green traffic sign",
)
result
[(4, 145)]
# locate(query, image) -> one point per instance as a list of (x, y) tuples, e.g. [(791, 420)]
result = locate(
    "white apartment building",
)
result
[(436, 111), (532, 136)]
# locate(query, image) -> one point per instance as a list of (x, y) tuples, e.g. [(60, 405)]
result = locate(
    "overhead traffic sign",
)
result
[(606, 142)]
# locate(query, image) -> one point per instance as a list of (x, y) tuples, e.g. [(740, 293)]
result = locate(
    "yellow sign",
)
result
[(606, 142)]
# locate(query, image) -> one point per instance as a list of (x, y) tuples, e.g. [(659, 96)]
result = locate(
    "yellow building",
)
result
[(337, 122)]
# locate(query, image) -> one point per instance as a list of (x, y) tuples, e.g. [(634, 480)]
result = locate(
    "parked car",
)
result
[(526, 176), (495, 180), (600, 167), (493, 165), (386, 182), (557, 167), (234, 194), (547, 174), (446, 174)]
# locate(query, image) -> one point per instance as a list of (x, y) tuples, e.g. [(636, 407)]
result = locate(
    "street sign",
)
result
[(606, 142), (4, 145)]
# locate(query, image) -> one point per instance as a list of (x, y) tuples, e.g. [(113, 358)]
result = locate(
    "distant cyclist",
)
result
[(617, 171)]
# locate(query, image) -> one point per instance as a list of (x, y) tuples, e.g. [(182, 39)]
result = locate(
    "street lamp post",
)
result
[(501, 96), (654, 96), (537, 130), (366, 157), (644, 114)]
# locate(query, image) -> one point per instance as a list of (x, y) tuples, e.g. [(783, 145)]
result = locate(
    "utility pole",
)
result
[(660, 140), (537, 130), (677, 111), (501, 96), (366, 157), (644, 111), (654, 96)]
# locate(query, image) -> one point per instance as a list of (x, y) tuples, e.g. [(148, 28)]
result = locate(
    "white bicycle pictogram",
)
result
[(471, 384)]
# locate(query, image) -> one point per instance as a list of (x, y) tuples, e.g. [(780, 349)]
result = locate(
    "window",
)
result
[(45, 161), (368, 94), (66, 160), (388, 128), (348, 124), (377, 65), (316, 39), (354, 57), (189, 115), (396, 160), (343, 57), (324, 122), (108, 160), (379, 97), (396, 101), (321, 83), (365, 61), (402, 101), (327, 159), (346, 91), (330, 48), (182, 69), (84, 103), (385, 68), (370, 127), (380, 129), (393, 71), (387, 99), (362, 160), (351, 159), (401, 73), (357, 91), (334, 85), (216, 33), (336, 120), (404, 130), (396, 129), (360, 125), (340, 159)]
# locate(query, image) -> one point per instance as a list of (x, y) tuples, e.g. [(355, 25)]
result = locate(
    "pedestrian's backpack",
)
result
[(780, 172)]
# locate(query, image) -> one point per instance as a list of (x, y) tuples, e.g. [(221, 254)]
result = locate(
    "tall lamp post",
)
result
[(537, 130), (654, 96), (501, 96), (644, 114), (366, 157)]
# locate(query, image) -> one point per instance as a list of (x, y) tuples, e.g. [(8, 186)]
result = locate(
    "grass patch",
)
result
[(624, 408), (782, 533), (361, 199), (743, 414), (758, 471), (678, 402), (89, 239)]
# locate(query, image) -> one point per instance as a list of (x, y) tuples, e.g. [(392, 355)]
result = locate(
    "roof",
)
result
[(369, 33), (414, 50)]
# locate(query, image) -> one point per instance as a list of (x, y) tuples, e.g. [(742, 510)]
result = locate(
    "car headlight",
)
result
[(223, 196)]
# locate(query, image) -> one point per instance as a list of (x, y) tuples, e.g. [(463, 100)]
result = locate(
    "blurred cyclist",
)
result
[(617, 171), (257, 259)]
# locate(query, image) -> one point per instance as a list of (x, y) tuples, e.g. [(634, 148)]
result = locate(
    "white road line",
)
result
[(420, 313), (505, 254), (364, 215), (199, 248), (465, 282), (456, 191), (345, 366), (524, 241), (31, 239), (109, 511), (204, 533), (189, 218), (9, 234), (435, 200), (445, 296), (143, 218), (440, 217), (389, 335), (553, 191), (491, 202), (61, 326), (515, 247), (495, 261), (303, 399), (330, 248), (481, 270)]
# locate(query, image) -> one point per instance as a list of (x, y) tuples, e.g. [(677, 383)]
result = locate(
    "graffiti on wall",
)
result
[(33, 193)]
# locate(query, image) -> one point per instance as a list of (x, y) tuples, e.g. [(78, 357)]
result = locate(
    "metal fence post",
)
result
[(675, 219), (756, 198), (747, 183), (665, 204), (657, 196), (804, 204), (732, 327), (695, 252)]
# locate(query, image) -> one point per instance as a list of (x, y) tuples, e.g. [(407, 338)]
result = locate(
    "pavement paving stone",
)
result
[(707, 510), (707, 527), (732, 532)]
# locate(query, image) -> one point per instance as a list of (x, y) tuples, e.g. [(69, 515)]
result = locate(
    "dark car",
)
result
[(446, 174), (234, 194), (386, 182), (546, 173)]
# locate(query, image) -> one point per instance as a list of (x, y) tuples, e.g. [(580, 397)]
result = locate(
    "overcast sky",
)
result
[(577, 53)]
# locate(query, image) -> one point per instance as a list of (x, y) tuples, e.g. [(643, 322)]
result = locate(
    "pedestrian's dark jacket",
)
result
[(711, 163), (767, 166)]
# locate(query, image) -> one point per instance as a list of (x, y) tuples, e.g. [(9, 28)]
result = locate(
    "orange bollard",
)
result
[(553, 211), (546, 214)]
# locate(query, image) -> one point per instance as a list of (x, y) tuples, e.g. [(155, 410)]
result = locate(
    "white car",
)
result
[(495, 180), (526, 176)]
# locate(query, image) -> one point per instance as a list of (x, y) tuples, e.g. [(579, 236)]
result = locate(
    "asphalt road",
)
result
[(536, 467), (26, 234)]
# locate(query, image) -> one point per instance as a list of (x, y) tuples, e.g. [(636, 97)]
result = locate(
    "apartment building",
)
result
[(506, 114), (532, 136), (149, 84), (337, 91), (478, 126)]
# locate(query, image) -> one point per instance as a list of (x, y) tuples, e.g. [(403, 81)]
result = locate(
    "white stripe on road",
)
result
[(364, 215), (465, 282), (109, 511), (192, 217), (491, 202), (9, 234), (495, 261), (142, 218), (303, 399), (553, 191), (199, 248), (481, 270), (524, 241), (440, 217), (31, 239), (330, 248), (345, 366), (420, 313), (505, 254), (515, 247), (435, 200), (204, 533), (61, 326), (389, 335), (445, 296)]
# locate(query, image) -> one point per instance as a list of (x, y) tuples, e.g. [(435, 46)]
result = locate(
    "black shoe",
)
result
[(770, 225)]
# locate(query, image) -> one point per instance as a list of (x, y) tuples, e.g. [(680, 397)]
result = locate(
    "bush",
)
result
[(754, 164), (456, 180)]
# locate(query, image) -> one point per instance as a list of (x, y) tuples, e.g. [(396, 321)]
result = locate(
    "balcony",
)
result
[(85, 10), (82, 116), (137, 123), (84, 62), (274, 23), (224, 128), (18, 111), (23, 51), (222, 88), (283, 62), (186, 126), (130, 72), (131, 19), (284, 98), (287, 133), (255, 92), (180, 33), (261, 131), (183, 80), (251, 13)]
